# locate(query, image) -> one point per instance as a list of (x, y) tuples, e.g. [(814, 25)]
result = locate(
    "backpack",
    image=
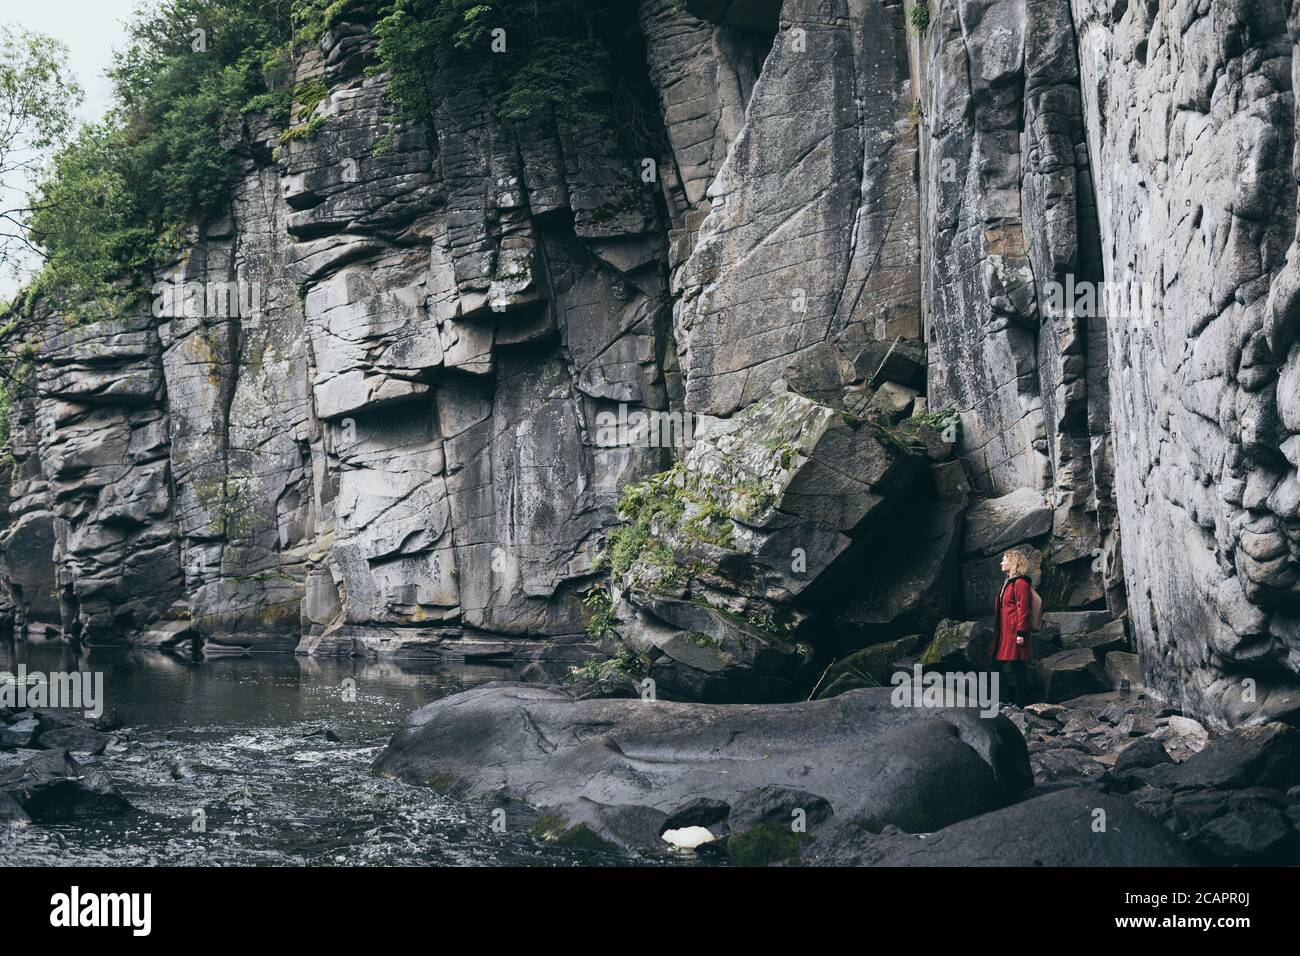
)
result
[(1035, 621)]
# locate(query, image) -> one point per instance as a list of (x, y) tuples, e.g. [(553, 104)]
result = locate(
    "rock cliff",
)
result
[(851, 296)]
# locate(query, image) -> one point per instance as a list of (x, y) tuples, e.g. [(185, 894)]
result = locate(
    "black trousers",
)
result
[(1015, 682)]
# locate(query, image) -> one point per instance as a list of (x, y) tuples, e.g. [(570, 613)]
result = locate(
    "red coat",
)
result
[(1011, 617)]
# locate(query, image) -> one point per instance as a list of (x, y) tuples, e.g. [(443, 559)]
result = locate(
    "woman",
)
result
[(1011, 624)]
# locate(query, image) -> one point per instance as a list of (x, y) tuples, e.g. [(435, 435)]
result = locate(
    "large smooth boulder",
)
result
[(1074, 827), (625, 769)]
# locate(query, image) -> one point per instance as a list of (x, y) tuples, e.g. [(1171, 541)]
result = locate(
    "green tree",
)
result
[(553, 53), (119, 198), (38, 99)]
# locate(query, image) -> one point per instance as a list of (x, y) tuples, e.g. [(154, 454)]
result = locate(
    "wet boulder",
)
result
[(622, 770), (75, 739), (73, 732), (53, 787), (1070, 827), (19, 733), (11, 811)]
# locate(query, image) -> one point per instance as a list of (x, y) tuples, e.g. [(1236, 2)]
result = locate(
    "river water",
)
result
[(229, 737)]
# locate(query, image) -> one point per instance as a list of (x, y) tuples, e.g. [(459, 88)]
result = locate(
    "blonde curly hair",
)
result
[(1017, 563)]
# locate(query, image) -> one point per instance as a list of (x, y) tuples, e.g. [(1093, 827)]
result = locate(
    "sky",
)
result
[(92, 29)]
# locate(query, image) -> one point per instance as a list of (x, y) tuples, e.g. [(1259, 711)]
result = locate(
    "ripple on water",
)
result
[(231, 738)]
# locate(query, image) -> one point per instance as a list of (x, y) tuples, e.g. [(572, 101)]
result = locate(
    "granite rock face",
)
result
[(764, 383), (28, 598), (813, 220), (1012, 229), (105, 456), (1190, 117), (372, 389)]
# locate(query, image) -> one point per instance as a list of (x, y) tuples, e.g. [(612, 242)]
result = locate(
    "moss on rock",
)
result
[(765, 844)]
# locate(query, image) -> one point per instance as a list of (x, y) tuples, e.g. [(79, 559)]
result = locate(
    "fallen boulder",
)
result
[(1069, 674), (872, 666), (1267, 756), (959, 645), (624, 770), (1142, 753), (1074, 827), (52, 787), (19, 733), (995, 524)]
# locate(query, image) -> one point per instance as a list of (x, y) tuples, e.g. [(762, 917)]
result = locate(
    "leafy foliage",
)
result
[(604, 674), (37, 99), (91, 222), (117, 200), (553, 55), (311, 18), (597, 601)]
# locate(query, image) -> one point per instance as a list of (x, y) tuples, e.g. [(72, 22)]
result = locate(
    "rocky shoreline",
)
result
[(1106, 779)]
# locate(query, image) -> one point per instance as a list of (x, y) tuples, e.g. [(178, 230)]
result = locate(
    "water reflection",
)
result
[(240, 742)]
